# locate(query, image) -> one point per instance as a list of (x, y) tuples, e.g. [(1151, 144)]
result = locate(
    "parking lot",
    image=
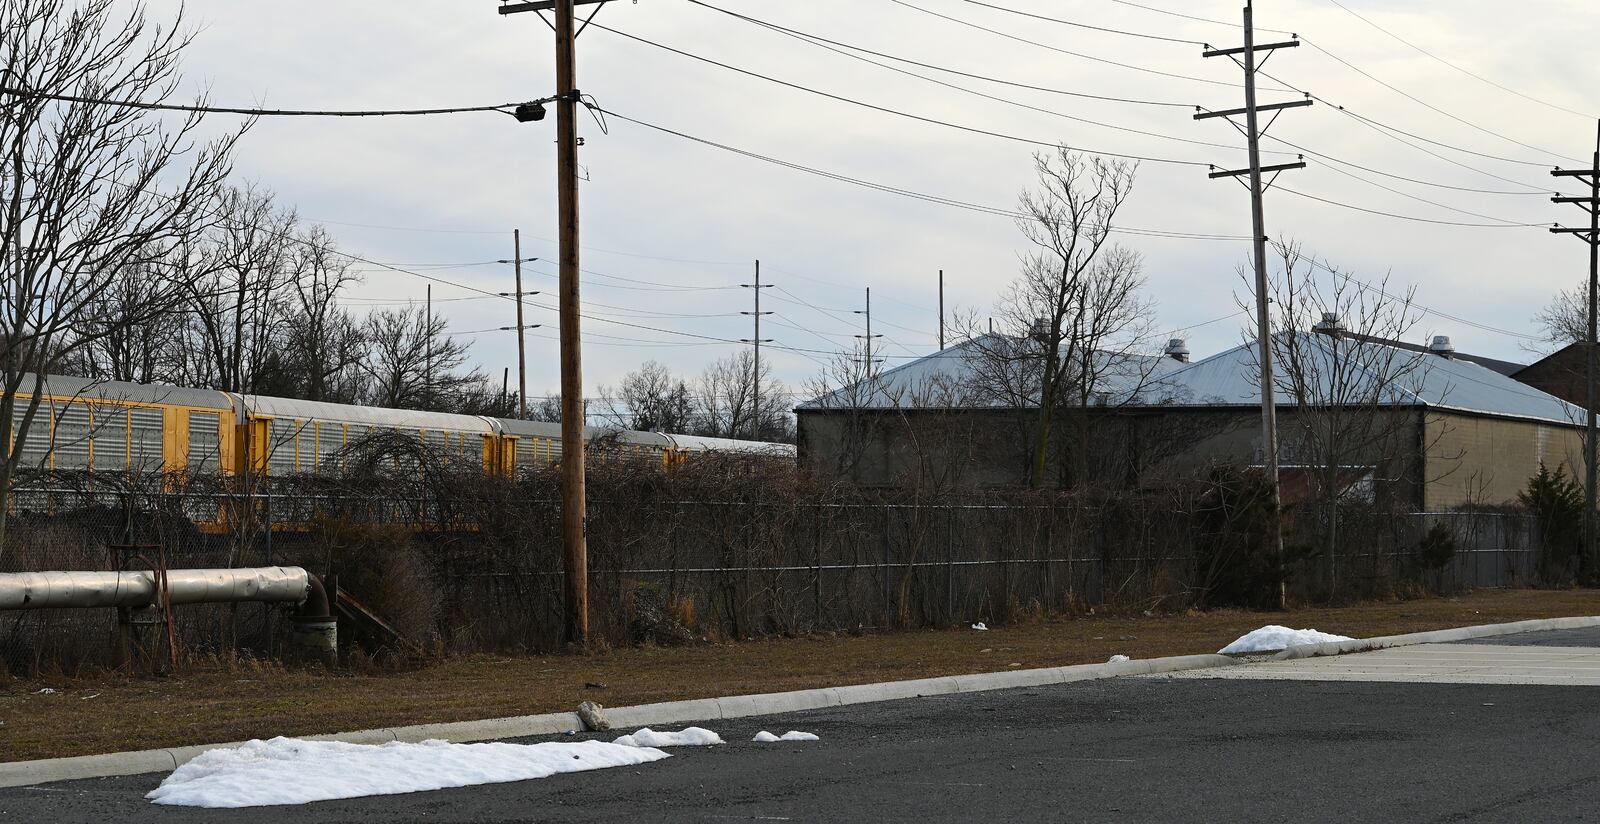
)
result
[(1495, 731)]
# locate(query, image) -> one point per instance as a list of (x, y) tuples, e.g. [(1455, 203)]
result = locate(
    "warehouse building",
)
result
[(1416, 424)]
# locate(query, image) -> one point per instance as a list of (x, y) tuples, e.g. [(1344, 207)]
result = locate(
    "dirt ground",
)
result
[(118, 712)]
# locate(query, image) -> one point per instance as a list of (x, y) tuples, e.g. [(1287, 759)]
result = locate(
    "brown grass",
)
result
[(233, 702)]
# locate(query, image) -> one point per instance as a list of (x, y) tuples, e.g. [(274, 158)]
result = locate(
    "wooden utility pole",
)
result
[(1591, 235), (574, 515), (427, 349), (941, 310), (1252, 131), (755, 368), (522, 345)]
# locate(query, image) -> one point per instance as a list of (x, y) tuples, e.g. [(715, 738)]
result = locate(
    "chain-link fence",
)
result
[(449, 560)]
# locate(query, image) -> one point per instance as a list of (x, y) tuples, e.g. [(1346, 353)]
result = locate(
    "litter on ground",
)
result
[(765, 737), (1272, 638), (689, 737), (1117, 659), (292, 771), (981, 627)]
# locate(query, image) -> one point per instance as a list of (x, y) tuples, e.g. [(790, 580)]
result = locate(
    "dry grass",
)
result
[(238, 702)]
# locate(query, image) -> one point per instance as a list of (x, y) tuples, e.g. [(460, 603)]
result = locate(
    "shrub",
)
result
[(1556, 502)]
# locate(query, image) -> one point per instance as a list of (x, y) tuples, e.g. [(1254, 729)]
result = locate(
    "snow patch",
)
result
[(1117, 659), (765, 737), (292, 771), (1272, 638), (980, 626), (689, 737)]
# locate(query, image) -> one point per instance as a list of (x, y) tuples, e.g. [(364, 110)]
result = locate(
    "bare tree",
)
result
[(1565, 319), (415, 363), (650, 398), (1076, 318), (150, 351), (89, 192), (325, 345), (1347, 383), (239, 280), (727, 397)]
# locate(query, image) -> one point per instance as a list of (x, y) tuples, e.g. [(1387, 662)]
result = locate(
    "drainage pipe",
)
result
[(139, 588)]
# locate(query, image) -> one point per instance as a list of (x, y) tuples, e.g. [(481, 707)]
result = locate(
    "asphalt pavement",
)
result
[(1127, 749)]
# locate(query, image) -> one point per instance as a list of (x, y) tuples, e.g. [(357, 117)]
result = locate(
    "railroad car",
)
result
[(113, 426)]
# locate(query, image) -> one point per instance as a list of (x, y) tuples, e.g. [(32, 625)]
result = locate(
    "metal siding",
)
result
[(281, 455), (72, 442), (204, 442), (147, 441), (110, 438)]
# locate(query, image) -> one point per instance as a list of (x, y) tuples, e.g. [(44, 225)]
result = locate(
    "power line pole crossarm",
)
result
[(1252, 130), (755, 368), (1588, 562)]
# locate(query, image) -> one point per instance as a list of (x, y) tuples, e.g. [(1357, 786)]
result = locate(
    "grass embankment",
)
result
[(118, 712)]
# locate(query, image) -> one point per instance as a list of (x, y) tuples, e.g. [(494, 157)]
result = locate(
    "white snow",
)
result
[(689, 737), (1272, 638), (1117, 659), (980, 627), (292, 771), (765, 737)]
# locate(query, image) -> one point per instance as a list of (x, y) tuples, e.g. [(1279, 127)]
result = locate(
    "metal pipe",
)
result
[(138, 588)]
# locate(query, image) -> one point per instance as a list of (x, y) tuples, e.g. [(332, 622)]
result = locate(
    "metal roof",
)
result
[(367, 415), (66, 386), (1231, 378), (958, 378)]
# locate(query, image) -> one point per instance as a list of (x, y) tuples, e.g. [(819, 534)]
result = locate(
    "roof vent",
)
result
[(1329, 325), (1442, 346), (1178, 350)]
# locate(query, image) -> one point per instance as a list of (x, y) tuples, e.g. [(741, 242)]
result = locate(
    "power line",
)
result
[(886, 110), (1408, 217), (1464, 71), (1085, 25), (1192, 17), (1354, 176), (970, 75), (502, 108), (937, 199), (823, 43), (1419, 101), (1079, 55)]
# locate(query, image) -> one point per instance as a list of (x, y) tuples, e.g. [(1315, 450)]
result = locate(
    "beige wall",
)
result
[(1477, 460)]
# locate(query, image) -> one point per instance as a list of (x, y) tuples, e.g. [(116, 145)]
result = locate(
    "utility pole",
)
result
[(755, 368), (427, 349), (522, 344), (868, 336), (1591, 236), (1252, 131), (574, 514), (941, 310)]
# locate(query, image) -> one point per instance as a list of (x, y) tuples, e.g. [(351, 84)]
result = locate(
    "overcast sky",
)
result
[(661, 213)]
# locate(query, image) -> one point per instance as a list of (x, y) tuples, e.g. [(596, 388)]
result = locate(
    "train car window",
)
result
[(145, 441), (110, 437), (204, 442), (72, 437)]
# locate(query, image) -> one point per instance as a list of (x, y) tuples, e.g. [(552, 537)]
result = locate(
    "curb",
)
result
[(1440, 636), (24, 773)]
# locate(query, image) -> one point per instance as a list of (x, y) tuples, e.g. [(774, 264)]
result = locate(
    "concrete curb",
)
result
[(1441, 636), (24, 773)]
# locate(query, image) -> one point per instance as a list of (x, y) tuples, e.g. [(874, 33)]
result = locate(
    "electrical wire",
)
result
[(1085, 25), (502, 108), (1464, 71), (1079, 55), (937, 199), (823, 43), (886, 110), (1413, 218), (970, 75)]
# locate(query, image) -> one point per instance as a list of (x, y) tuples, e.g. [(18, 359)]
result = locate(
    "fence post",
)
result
[(888, 609), (950, 564)]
